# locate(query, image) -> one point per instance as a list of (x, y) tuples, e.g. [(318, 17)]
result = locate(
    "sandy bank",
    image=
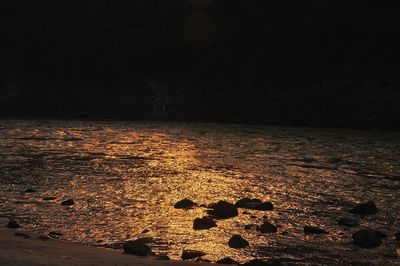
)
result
[(17, 250)]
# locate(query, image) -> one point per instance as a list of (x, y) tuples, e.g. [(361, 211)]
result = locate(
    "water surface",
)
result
[(126, 177)]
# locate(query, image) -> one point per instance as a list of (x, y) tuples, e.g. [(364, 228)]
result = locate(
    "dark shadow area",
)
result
[(298, 63)]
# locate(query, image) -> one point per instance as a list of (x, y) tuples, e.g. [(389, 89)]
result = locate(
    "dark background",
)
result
[(288, 62)]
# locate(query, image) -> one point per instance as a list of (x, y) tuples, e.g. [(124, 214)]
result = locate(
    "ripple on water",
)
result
[(126, 177)]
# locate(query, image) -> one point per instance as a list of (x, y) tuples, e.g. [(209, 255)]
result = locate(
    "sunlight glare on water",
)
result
[(126, 177)]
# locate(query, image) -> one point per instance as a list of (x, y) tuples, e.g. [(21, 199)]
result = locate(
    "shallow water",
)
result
[(126, 177)]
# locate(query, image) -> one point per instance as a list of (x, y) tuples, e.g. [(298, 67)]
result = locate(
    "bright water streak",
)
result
[(126, 177)]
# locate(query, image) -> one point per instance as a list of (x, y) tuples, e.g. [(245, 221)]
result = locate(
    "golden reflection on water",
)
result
[(125, 178)]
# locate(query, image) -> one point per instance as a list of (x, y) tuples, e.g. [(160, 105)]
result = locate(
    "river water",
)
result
[(125, 178)]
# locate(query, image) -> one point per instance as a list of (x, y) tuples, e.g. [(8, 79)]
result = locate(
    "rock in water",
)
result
[(247, 203), (348, 222), (191, 254), (267, 227), (136, 247), (254, 204), (185, 204), (258, 262), (237, 241), (13, 224), (223, 210), (367, 238), (227, 260), (30, 190), (203, 223), (265, 206), (68, 202), (367, 208), (308, 230), (49, 198)]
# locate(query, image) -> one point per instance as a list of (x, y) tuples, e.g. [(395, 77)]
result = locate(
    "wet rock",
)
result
[(397, 236), (13, 224), (237, 241), (367, 238), (49, 198), (308, 230), (348, 222), (247, 203), (43, 237), (53, 234), (267, 227), (26, 236), (227, 260), (30, 190), (162, 257), (258, 262), (137, 247), (254, 204), (265, 206), (191, 254), (223, 210), (185, 204), (367, 208), (251, 227), (68, 202), (202, 260), (203, 223)]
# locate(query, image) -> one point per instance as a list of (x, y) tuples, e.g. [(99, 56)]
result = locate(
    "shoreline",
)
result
[(35, 250)]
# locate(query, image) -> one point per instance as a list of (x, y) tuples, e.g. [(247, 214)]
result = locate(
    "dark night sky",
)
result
[(307, 63)]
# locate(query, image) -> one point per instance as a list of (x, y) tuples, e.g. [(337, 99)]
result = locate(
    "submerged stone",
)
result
[(254, 204), (13, 224), (348, 222), (367, 238), (367, 208), (258, 262), (185, 204), (191, 254), (203, 223), (237, 241), (308, 230), (267, 227), (68, 202), (223, 210), (227, 260), (30, 190), (137, 247), (49, 198)]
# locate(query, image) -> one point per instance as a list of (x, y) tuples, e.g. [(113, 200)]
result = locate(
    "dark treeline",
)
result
[(289, 62)]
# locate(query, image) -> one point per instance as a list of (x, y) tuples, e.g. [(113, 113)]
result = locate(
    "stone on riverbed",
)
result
[(30, 190), (254, 204), (223, 210), (203, 223), (308, 230), (49, 198), (367, 208), (227, 260), (368, 238), (258, 262), (185, 204), (237, 241), (137, 247), (13, 224), (191, 254), (68, 202), (348, 222), (267, 227)]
